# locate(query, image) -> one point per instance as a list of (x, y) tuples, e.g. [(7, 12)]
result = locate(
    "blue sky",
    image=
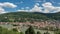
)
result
[(30, 5)]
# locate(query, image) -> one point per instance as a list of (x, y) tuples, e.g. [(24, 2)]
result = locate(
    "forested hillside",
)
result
[(28, 16)]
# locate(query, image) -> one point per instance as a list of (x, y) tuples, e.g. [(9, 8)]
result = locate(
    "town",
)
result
[(38, 25)]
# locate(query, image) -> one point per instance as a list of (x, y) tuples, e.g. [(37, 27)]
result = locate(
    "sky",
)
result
[(44, 6)]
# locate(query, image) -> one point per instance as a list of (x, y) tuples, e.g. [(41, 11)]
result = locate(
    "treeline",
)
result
[(26, 16)]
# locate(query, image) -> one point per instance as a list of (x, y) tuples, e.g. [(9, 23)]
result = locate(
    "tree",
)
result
[(47, 32), (14, 29), (38, 32), (30, 30), (57, 32)]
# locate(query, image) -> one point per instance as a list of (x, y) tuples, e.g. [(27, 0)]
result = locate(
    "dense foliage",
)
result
[(28, 16), (30, 30), (47, 32), (38, 32), (57, 32)]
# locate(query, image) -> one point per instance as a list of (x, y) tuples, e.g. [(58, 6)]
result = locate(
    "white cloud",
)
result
[(46, 8), (36, 9), (47, 4), (19, 2), (22, 10), (49, 8), (27, 8), (38, 0), (2, 10), (37, 4), (6, 4)]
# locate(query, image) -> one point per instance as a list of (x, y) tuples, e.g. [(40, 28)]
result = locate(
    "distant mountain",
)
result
[(28, 16)]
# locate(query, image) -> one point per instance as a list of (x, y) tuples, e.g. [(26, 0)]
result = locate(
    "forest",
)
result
[(28, 16)]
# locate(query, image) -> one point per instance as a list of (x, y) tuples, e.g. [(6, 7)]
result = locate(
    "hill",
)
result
[(28, 16)]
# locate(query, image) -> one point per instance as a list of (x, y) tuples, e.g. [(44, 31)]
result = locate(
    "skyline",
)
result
[(44, 6)]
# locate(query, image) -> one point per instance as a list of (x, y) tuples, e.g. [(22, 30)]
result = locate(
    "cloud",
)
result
[(37, 4), (27, 7), (20, 2), (6, 4), (47, 4), (36, 8), (47, 7), (38, 0), (2, 10), (22, 10)]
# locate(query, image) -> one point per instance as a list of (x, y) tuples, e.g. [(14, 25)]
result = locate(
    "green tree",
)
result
[(30, 30), (38, 32), (47, 32), (57, 32), (14, 29)]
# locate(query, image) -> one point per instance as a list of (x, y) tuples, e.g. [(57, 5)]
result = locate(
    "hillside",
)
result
[(28, 16)]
